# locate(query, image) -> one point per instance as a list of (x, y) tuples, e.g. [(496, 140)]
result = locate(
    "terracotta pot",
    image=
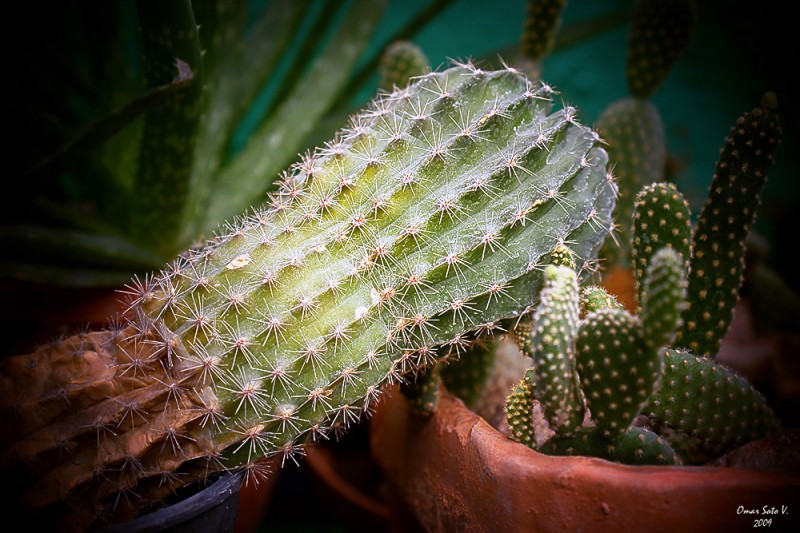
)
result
[(458, 473)]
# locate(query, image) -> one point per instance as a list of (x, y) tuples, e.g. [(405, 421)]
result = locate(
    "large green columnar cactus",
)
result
[(428, 218)]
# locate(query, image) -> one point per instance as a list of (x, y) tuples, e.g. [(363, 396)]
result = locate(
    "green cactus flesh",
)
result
[(661, 218), (637, 150), (660, 32), (710, 403), (664, 297), (400, 63), (423, 390), (718, 245), (428, 218), (466, 377), (634, 446), (555, 327), (617, 370)]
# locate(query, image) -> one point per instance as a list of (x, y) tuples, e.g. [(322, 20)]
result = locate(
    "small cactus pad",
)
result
[(718, 245), (429, 217), (541, 24), (637, 150), (555, 326), (661, 218), (519, 411), (664, 297), (660, 32), (639, 446), (634, 446), (400, 63), (617, 370), (709, 402)]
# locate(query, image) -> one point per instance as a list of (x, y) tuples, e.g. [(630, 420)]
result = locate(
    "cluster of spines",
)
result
[(375, 252), (718, 244), (660, 32)]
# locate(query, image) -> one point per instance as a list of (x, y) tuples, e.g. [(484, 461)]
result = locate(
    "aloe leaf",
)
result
[(236, 68), (170, 42), (75, 247), (74, 277), (102, 129), (276, 142)]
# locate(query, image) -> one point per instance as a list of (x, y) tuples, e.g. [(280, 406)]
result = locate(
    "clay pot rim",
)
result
[(459, 473), (530, 459)]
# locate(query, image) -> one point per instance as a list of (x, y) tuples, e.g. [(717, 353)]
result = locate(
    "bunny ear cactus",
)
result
[(718, 244), (660, 32), (428, 218), (637, 149), (624, 362), (602, 363)]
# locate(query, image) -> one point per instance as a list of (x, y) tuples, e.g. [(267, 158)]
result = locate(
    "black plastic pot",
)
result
[(212, 510)]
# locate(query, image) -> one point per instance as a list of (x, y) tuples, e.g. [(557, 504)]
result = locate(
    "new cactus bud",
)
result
[(660, 32), (519, 413), (421, 222), (718, 247), (562, 256), (617, 370), (400, 64), (663, 298), (709, 402), (594, 298), (661, 218), (555, 326)]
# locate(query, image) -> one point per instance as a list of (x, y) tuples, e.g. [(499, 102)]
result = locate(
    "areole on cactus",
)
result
[(430, 217)]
